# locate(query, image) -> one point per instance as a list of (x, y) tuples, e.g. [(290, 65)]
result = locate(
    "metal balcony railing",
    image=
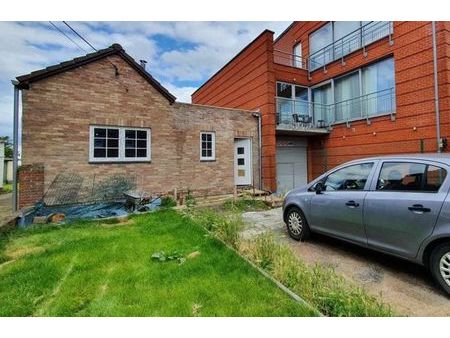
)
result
[(299, 113), (360, 38)]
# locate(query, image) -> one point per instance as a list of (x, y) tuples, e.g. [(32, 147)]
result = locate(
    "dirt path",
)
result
[(6, 213), (406, 286)]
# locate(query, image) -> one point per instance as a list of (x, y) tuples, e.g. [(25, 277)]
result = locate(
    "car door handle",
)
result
[(419, 209), (352, 204)]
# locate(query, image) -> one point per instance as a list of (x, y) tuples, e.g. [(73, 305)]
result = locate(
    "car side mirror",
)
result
[(319, 188)]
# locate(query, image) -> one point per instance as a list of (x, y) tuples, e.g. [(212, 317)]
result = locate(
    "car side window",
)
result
[(409, 176), (353, 177)]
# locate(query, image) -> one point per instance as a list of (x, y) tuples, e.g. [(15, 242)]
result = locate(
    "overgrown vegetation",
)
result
[(7, 188), (244, 204), (168, 202), (93, 269), (321, 286)]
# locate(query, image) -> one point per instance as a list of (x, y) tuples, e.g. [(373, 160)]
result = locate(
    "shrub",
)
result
[(168, 202)]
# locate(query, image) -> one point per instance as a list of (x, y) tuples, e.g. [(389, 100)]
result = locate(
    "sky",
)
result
[(181, 55)]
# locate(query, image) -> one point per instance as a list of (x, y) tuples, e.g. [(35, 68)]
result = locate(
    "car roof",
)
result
[(437, 157)]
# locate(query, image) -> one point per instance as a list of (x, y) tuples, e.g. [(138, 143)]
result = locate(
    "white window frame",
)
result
[(213, 146), (297, 61), (121, 157)]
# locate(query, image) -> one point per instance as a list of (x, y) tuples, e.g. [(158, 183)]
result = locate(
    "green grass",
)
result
[(244, 204), (319, 285), (90, 269)]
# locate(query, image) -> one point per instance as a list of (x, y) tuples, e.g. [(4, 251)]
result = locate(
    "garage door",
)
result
[(291, 167)]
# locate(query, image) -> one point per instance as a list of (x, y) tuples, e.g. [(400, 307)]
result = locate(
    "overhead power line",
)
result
[(68, 37), (79, 35)]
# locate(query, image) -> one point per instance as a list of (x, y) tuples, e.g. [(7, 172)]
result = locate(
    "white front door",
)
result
[(242, 162)]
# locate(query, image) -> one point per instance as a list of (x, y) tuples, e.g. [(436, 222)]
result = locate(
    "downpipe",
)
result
[(436, 90), (15, 143), (258, 116)]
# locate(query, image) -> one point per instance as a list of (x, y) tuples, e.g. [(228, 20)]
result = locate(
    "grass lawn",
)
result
[(94, 269)]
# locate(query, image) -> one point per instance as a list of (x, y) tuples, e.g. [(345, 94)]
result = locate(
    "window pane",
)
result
[(130, 144), (130, 152), (208, 137), (349, 178), (209, 153), (130, 133), (203, 137), (240, 150), (203, 152), (318, 40), (99, 132), (345, 42), (113, 133), (142, 143), (434, 178), (99, 143), (379, 85), (142, 134), (321, 97), (99, 152), (113, 152), (345, 89), (141, 153), (284, 90), (241, 161), (113, 143), (401, 176)]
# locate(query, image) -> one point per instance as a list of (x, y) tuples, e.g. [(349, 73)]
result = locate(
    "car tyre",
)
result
[(296, 224), (440, 266)]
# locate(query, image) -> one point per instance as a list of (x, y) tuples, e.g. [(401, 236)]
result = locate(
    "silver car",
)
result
[(398, 205)]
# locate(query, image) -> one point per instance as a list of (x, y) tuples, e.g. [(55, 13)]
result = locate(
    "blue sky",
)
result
[(181, 55)]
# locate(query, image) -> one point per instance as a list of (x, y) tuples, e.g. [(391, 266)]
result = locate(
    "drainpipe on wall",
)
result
[(258, 115), (436, 88), (15, 142)]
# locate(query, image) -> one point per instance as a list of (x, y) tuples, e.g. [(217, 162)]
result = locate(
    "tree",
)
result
[(8, 146)]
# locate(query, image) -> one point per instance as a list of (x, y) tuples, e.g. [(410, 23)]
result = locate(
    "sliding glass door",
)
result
[(345, 90), (322, 98)]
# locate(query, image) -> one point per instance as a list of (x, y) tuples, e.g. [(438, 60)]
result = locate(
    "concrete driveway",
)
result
[(405, 286)]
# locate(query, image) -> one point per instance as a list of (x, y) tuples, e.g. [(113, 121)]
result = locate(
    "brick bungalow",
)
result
[(103, 114), (333, 91)]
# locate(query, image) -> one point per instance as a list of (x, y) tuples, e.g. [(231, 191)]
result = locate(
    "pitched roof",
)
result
[(115, 49)]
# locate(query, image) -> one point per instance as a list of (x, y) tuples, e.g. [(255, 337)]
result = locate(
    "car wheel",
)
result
[(297, 226), (440, 266)]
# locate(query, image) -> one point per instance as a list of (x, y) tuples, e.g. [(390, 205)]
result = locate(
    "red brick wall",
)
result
[(414, 127), (31, 184), (247, 82)]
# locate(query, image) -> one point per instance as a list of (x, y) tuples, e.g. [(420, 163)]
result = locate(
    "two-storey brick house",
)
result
[(329, 92)]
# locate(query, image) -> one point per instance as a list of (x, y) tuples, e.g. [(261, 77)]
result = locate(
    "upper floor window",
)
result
[(207, 146), (339, 38), (297, 56), (409, 176), (119, 144)]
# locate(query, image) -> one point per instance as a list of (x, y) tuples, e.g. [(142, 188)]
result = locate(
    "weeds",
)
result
[(319, 285), (168, 202), (245, 204)]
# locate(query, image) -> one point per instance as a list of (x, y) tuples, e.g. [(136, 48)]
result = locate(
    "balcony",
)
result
[(358, 39), (309, 118)]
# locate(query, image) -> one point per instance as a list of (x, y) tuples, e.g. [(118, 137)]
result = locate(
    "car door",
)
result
[(338, 209), (403, 205)]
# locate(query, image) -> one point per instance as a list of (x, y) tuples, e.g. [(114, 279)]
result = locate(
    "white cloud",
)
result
[(207, 46)]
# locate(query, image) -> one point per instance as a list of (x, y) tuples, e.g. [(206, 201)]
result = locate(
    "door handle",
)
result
[(419, 209), (352, 204)]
